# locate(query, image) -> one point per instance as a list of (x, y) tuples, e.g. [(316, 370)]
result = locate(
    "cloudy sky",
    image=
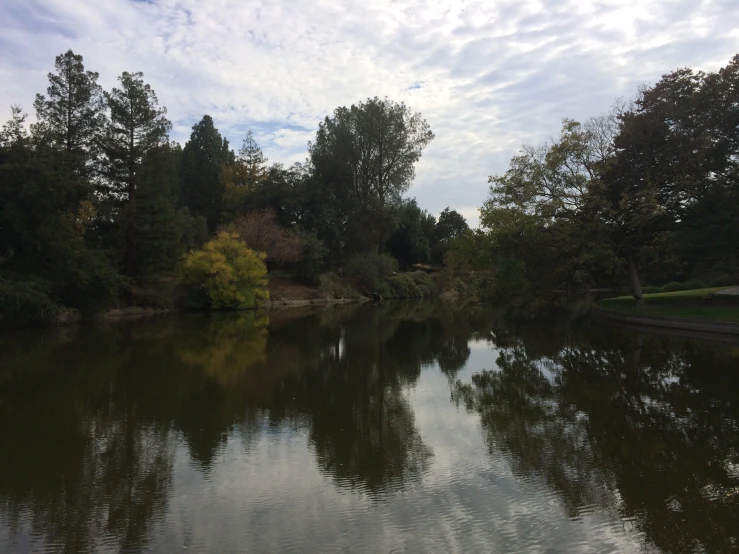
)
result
[(487, 75)]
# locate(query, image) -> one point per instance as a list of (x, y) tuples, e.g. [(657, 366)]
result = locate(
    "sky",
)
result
[(488, 76)]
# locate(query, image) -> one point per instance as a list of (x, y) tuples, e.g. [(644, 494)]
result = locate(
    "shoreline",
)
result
[(69, 318), (137, 312), (673, 323)]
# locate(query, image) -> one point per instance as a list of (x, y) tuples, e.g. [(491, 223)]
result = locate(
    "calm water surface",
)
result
[(400, 427)]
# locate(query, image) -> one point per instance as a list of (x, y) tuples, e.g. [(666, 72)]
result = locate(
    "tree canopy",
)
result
[(100, 207), (646, 192)]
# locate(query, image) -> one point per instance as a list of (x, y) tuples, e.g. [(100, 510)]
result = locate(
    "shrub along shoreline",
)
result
[(290, 293)]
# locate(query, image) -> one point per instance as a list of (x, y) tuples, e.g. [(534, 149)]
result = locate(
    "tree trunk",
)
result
[(131, 230), (635, 285)]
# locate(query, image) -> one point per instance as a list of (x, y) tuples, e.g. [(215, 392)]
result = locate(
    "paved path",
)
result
[(731, 291)]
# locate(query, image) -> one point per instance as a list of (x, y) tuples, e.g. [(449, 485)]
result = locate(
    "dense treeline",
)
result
[(98, 206), (648, 193)]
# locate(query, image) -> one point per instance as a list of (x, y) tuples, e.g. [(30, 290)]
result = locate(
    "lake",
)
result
[(420, 427)]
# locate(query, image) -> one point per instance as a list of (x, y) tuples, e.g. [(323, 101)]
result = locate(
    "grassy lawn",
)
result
[(690, 304)]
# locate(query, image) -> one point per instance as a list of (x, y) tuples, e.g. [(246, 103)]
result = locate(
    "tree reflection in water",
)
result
[(90, 418), (646, 427), (94, 420)]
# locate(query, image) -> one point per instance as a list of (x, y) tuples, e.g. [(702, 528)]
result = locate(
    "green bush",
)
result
[(369, 269), (91, 285), (725, 281), (407, 285), (386, 265), (404, 286), (336, 287), (651, 289), (422, 279), (694, 284), (674, 287), (26, 302), (311, 262), (401, 286)]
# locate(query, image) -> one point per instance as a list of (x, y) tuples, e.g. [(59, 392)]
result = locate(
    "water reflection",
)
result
[(97, 422), (89, 417), (79, 458), (645, 427)]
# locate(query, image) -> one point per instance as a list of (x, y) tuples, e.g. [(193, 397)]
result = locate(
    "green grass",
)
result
[(688, 304)]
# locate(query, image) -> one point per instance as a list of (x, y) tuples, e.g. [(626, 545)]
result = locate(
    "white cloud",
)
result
[(492, 75)]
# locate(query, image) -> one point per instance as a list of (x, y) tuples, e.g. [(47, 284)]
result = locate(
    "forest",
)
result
[(642, 199), (99, 208)]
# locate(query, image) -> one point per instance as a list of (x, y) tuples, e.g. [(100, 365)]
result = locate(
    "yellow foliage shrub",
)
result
[(228, 272)]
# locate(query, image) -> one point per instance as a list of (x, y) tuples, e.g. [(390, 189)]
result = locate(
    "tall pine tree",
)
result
[(71, 115), (243, 177), (204, 158), (137, 126)]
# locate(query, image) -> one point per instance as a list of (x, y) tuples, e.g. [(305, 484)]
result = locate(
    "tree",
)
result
[(674, 156), (138, 125), (229, 273), (159, 229), (253, 158), (364, 158), (45, 261), (243, 177), (72, 113), (391, 139), (14, 131), (705, 127), (451, 224), (385, 140), (408, 243), (204, 158), (261, 232), (543, 216), (428, 225)]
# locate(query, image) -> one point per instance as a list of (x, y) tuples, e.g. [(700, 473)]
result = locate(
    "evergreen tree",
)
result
[(45, 263), (252, 157), (72, 113), (138, 125), (204, 158), (158, 229), (244, 177)]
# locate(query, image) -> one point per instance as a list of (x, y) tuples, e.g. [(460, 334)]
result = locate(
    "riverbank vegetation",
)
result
[(646, 194), (689, 304), (99, 207)]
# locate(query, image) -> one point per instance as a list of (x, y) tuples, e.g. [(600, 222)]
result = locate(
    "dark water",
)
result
[(407, 427)]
